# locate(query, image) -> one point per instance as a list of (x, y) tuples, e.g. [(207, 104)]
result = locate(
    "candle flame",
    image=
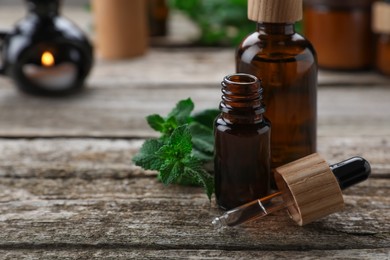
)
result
[(47, 59)]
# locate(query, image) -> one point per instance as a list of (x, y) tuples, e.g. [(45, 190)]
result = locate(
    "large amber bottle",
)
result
[(287, 65)]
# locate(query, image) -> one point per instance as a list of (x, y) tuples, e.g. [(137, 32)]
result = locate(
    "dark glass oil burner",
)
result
[(46, 54)]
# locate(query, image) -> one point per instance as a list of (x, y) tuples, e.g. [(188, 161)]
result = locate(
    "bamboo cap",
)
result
[(275, 11), (381, 17), (311, 186)]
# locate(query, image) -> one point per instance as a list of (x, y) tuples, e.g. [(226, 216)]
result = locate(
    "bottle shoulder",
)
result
[(276, 46)]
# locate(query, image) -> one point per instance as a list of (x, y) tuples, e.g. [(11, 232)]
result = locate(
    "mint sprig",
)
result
[(184, 149)]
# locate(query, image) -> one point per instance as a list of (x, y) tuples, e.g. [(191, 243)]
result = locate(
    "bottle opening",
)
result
[(241, 78)]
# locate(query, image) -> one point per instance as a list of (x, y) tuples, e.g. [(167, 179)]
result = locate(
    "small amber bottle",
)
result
[(381, 26), (286, 64), (340, 31), (242, 143)]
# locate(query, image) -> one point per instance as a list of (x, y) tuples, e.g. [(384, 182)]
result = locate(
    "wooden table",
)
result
[(68, 187)]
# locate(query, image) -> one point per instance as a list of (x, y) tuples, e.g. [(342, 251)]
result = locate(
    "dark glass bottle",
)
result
[(381, 26), (286, 64), (242, 143), (158, 17), (46, 54), (340, 31)]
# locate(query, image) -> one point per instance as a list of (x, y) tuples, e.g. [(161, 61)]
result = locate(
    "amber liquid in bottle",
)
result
[(286, 64), (383, 54), (242, 143), (340, 32), (158, 17)]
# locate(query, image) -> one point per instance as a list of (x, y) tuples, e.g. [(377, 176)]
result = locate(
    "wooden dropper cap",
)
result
[(275, 11), (312, 188), (381, 17)]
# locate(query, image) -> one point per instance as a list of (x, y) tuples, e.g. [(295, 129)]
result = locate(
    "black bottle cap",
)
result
[(351, 171)]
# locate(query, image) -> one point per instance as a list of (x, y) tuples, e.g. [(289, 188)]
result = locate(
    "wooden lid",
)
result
[(275, 11), (381, 17), (312, 186)]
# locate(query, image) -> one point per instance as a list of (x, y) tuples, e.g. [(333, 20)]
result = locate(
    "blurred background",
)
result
[(338, 30), (157, 44)]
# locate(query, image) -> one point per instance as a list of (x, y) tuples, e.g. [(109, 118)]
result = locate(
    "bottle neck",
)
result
[(276, 28), (241, 99), (44, 8)]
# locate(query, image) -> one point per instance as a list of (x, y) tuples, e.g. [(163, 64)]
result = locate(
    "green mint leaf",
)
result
[(184, 152), (194, 167), (175, 154), (147, 157), (169, 126), (164, 126), (180, 141), (204, 157), (202, 138), (156, 122), (206, 117), (183, 179), (177, 146), (208, 182), (182, 111), (171, 171)]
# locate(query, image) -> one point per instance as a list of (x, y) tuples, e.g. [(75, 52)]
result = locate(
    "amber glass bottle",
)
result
[(381, 26), (340, 31), (158, 17), (242, 143), (286, 64)]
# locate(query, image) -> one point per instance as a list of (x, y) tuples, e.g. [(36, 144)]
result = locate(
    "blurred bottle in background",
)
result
[(340, 31), (158, 17), (381, 26)]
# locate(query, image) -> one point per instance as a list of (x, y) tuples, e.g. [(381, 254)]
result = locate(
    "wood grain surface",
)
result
[(83, 198)]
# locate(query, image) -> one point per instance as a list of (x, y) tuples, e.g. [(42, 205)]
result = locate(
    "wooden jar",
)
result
[(311, 187), (381, 26), (121, 28), (340, 31)]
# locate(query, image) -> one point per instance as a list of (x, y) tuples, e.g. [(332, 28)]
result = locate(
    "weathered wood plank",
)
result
[(67, 158), (201, 66), (141, 212), (139, 253), (134, 188), (114, 210), (121, 111), (103, 158)]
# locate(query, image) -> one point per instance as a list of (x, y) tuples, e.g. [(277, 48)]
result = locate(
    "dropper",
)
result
[(309, 189)]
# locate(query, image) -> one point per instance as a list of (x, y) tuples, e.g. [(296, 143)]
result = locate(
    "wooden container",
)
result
[(381, 26), (121, 28), (311, 186), (340, 31)]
